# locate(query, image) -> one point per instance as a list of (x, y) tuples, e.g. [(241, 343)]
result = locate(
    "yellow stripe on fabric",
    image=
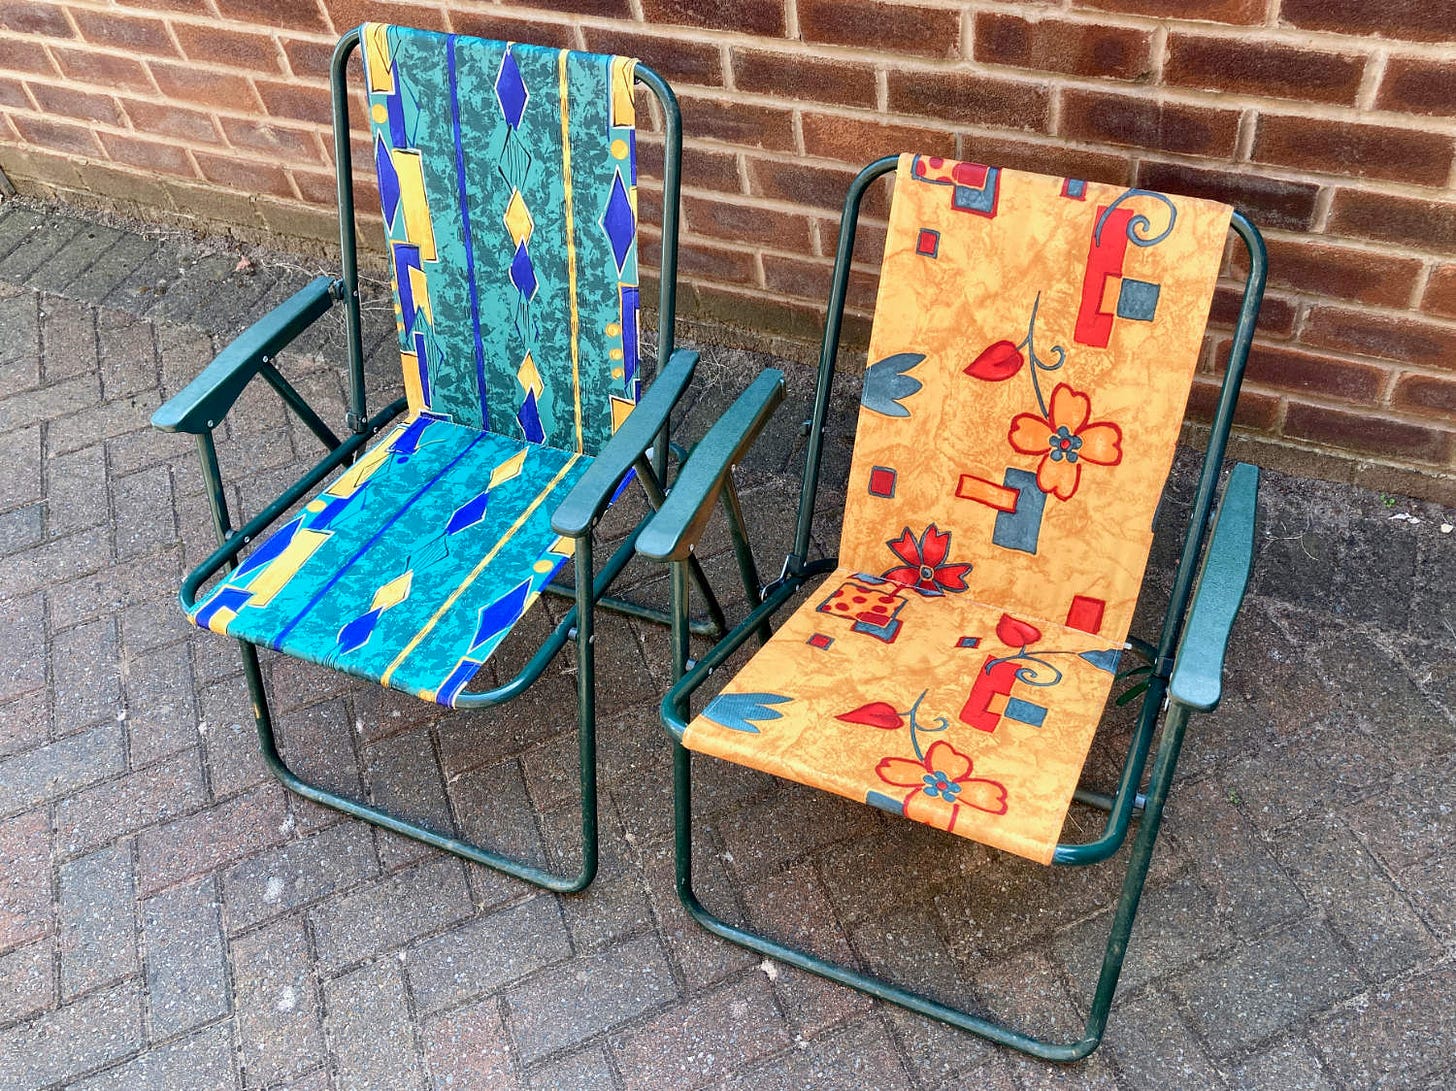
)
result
[(476, 571), (570, 248), (376, 57)]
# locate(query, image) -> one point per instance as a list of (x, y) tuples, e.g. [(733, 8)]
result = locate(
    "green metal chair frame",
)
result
[(1185, 665), (641, 444)]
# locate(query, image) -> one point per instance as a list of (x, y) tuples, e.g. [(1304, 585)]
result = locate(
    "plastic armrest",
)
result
[(590, 496), (675, 529), (201, 404), (1198, 667)]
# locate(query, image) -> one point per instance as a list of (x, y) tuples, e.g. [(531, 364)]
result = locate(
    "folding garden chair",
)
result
[(507, 175), (1032, 352)]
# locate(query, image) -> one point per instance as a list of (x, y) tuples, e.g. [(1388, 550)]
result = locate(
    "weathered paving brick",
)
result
[(27, 981), (1290, 1065), (448, 969), (185, 959), (22, 481), (1153, 1046), (204, 1059), (277, 1002), (468, 1047), (120, 807), (1394, 1037), (86, 667), (25, 885), (202, 842), (861, 1054), (74, 1039), (75, 485), (390, 912), (368, 1026), (98, 927), (21, 670), (298, 873), (144, 520), (161, 703), (62, 767), (566, 1004)]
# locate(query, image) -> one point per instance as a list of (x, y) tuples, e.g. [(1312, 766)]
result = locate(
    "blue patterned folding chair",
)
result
[(507, 175)]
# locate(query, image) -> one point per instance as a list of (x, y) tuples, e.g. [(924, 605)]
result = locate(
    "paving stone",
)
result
[(1396, 1036), (72, 1040), (21, 529), (297, 874), (1411, 820), (20, 450), (203, 842), (74, 258), (38, 246), (76, 496), (24, 722), (19, 343), (389, 912), (1289, 1066), (111, 269), (276, 999), (186, 961), (1264, 987), (449, 969), (468, 1047), (115, 587), (369, 1028), (144, 521), (936, 1055), (700, 957), (25, 882), (703, 1039), (1359, 902), (1154, 1049), (97, 926), (494, 810), (204, 1059), (161, 710), (916, 855), (120, 807), (54, 560), (85, 663), (404, 779), (27, 981), (68, 338), (21, 670), (587, 1068), (762, 838), (562, 1006), (62, 767)]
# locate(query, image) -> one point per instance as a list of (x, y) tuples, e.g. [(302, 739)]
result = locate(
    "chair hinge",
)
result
[(353, 421), (1163, 667)]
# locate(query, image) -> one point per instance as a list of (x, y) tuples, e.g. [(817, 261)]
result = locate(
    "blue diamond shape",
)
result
[(618, 222), (530, 419), (510, 90), (523, 275)]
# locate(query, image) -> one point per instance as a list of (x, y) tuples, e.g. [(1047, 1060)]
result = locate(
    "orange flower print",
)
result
[(1066, 438), (942, 784)]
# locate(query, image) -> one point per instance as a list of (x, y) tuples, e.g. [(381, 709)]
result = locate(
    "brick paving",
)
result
[(171, 918)]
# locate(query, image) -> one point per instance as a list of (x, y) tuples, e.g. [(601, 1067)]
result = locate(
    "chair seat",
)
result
[(922, 702), (410, 567)]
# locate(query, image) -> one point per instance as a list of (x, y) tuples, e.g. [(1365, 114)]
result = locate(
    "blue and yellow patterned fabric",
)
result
[(508, 179)]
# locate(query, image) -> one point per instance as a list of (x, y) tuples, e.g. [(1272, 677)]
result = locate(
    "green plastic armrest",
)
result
[(201, 405), (590, 496), (676, 527), (1198, 667)]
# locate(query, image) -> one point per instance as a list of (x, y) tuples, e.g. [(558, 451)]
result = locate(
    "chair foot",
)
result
[(561, 884)]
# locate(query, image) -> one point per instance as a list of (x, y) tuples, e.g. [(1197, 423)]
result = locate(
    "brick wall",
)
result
[(1332, 122)]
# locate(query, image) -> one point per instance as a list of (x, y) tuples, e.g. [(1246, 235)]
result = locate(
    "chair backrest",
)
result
[(1032, 352), (507, 175)]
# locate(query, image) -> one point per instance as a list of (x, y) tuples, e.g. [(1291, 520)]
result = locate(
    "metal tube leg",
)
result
[(752, 588), (586, 710)]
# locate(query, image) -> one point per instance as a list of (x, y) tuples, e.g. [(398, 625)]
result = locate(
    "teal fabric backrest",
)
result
[(508, 178)]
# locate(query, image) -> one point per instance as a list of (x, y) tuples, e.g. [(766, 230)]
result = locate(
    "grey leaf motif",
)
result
[(886, 385)]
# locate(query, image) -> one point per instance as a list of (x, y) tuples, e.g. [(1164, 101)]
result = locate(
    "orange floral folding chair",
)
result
[(1032, 354)]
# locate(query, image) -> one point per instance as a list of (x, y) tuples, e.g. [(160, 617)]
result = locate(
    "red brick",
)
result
[(12, 94), (104, 69), (810, 280), (605, 9), (290, 14), (34, 17), (25, 879), (26, 57), (232, 48), (125, 32), (702, 168), (749, 126), (1439, 297), (701, 260), (1410, 20), (507, 26), (297, 102), (197, 7), (1240, 12), (71, 139), (739, 222), (203, 87), (1276, 315), (1425, 394), (762, 17), (1304, 373), (203, 842), (675, 59), (1418, 86), (971, 99), (1422, 224), (1401, 337), (148, 154), (1341, 272), (1055, 45), (1055, 160), (1262, 68), (245, 175), (890, 28), (1253, 410), (804, 321), (311, 60), (277, 141), (162, 119), (1367, 151), (1361, 432), (348, 14), (795, 76), (1143, 123), (320, 188), (69, 102), (1270, 202), (857, 141), (820, 187)]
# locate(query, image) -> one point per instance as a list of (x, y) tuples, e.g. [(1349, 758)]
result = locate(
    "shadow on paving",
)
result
[(170, 918)]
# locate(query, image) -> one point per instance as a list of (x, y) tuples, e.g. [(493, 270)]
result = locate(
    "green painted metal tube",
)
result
[(294, 400), (348, 238)]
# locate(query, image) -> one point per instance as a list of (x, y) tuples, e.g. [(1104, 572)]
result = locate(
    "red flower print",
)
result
[(941, 785), (875, 714), (925, 569), (1066, 438), (1015, 633)]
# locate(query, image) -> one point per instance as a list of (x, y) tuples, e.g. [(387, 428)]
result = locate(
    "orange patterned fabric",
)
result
[(1033, 347)]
